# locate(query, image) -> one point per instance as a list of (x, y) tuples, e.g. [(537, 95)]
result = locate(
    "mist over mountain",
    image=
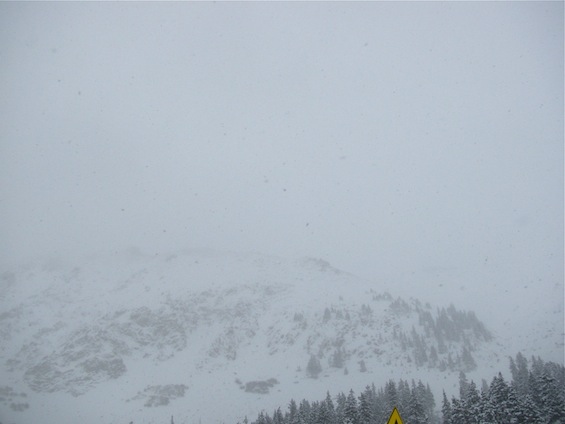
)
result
[(140, 337), (394, 168)]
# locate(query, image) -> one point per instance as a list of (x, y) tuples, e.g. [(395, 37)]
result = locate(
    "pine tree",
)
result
[(446, 410), (457, 412), (341, 400), (379, 405), (403, 394), (330, 408), (278, 416), (467, 361), (261, 419), (484, 387), (391, 395), (473, 403), (552, 399), (337, 360), (323, 416), (426, 398), (304, 412), (351, 415), (268, 419), (498, 395), (530, 411), (415, 411), (365, 413), (314, 412), (314, 368), (463, 385), (488, 409), (513, 407), (541, 400), (292, 416), (520, 374)]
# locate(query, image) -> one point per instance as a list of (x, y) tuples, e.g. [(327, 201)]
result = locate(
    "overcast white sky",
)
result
[(388, 138)]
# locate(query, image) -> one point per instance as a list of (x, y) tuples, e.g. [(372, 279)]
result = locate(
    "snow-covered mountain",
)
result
[(213, 337)]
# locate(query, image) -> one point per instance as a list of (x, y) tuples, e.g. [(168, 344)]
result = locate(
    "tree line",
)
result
[(534, 395)]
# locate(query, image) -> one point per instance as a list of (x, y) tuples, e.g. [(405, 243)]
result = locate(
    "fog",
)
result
[(409, 141)]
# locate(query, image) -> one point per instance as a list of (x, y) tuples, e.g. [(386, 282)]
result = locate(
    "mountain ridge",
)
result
[(152, 333)]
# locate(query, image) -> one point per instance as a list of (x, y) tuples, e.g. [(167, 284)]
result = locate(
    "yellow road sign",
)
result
[(394, 417)]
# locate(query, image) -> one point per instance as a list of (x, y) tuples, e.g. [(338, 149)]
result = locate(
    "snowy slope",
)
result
[(211, 337)]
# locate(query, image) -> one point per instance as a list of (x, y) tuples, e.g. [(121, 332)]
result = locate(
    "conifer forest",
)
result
[(535, 394)]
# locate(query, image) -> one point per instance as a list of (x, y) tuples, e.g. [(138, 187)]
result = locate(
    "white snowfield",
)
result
[(213, 337)]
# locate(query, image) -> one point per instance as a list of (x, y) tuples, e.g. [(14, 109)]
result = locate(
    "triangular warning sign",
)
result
[(394, 417)]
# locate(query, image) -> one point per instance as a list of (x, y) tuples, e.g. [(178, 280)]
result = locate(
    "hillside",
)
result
[(139, 338)]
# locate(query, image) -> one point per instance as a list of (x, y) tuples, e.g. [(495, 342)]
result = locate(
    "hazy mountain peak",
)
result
[(235, 324)]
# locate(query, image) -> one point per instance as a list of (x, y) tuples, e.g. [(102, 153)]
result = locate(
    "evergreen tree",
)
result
[(420, 355), (484, 387), (467, 361), (340, 408), (365, 412), (538, 398), (350, 412), (337, 360), (331, 409), (457, 412), (268, 419), (314, 368), (261, 418), (292, 416), (415, 410), (446, 410), (314, 412), (379, 406), (278, 416), (426, 398), (530, 411), (391, 395), (552, 399), (403, 394), (304, 412), (498, 394), (463, 385), (514, 411), (472, 404), (519, 377), (323, 416), (488, 409)]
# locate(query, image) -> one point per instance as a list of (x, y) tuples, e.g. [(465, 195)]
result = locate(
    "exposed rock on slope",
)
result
[(149, 329)]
